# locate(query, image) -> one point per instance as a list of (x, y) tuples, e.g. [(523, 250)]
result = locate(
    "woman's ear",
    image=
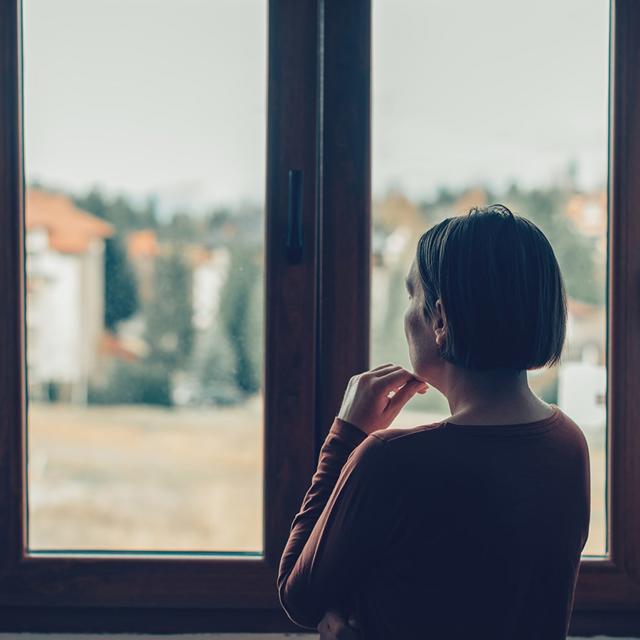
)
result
[(440, 323)]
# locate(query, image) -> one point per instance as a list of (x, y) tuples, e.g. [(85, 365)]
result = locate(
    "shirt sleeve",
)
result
[(335, 535)]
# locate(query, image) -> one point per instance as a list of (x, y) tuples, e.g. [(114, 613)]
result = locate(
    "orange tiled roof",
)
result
[(473, 197), (197, 255), (142, 244), (589, 212), (111, 345), (396, 209), (583, 309), (70, 229)]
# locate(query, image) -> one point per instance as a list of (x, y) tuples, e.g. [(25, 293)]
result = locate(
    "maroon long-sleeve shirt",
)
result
[(443, 531)]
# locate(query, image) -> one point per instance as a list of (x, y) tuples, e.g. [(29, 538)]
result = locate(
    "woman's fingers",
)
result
[(394, 379), (384, 368), (402, 396), (365, 402)]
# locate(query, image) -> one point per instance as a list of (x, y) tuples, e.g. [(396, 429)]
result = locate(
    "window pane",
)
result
[(497, 102), (145, 162)]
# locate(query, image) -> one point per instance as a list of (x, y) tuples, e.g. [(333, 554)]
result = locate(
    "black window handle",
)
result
[(294, 222)]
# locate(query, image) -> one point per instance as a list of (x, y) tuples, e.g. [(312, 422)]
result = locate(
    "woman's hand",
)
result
[(367, 403), (334, 627)]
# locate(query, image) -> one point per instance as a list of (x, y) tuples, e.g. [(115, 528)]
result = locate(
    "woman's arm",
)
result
[(335, 534), (348, 512)]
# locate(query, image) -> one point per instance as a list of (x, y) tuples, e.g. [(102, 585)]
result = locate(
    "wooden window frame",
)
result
[(180, 592), (319, 120), (608, 591)]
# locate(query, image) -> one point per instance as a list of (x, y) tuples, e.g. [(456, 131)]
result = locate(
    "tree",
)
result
[(169, 326), (574, 251), (134, 383), (255, 329), (213, 359), (121, 291), (182, 228), (119, 210), (237, 317)]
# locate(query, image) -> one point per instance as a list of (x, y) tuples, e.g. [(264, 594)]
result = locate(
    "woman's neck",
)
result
[(491, 397)]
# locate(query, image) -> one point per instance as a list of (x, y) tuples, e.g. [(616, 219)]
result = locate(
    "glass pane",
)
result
[(497, 102), (145, 165)]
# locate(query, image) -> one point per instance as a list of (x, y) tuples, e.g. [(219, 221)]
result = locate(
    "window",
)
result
[(91, 501), (144, 227), (320, 136), (517, 115)]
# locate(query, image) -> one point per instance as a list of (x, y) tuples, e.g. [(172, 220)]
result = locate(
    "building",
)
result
[(142, 251), (210, 272), (65, 295)]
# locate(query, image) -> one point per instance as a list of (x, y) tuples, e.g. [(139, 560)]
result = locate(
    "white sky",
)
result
[(170, 97)]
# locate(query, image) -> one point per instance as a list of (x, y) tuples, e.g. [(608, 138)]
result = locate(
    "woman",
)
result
[(467, 528)]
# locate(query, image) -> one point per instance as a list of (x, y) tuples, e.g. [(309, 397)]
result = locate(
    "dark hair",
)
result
[(501, 288)]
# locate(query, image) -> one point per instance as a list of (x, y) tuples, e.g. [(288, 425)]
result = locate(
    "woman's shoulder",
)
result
[(446, 435)]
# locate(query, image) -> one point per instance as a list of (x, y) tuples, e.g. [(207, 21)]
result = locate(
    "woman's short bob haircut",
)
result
[(501, 289)]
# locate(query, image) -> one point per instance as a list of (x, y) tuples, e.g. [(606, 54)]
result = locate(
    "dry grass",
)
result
[(143, 478)]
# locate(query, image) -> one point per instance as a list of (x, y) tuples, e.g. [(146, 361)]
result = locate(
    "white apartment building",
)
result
[(65, 295)]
